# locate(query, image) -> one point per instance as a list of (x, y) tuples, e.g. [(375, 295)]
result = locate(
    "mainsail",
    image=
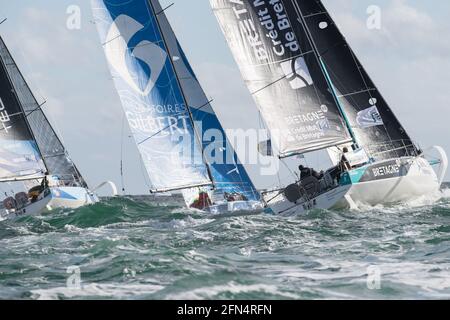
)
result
[(148, 85), (30, 125), (30, 147), (373, 123), (19, 154), (284, 75), (164, 101), (228, 173)]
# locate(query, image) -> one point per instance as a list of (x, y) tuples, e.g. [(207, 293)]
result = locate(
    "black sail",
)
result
[(19, 155), (283, 74), (372, 121), (44, 137)]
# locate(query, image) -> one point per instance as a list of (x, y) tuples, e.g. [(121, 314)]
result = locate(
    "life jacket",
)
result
[(202, 202)]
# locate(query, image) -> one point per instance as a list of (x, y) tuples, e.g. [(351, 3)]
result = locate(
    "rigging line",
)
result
[(1, 22), (359, 67), (183, 93), (122, 178), (45, 120), (167, 127), (319, 95), (111, 40), (368, 89), (26, 115), (145, 174), (170, 5), (7, 56), (304, 25), (30, 68), (293, 173), (276, 81)]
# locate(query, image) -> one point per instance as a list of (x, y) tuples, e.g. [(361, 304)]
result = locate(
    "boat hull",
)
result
[(391, 181), (278, 203), (236, 207), (54, 198)]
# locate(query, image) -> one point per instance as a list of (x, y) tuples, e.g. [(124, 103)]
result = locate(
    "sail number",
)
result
[(4, 117)]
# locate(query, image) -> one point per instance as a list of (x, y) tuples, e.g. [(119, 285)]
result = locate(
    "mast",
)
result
[(229, 175), (359, 70), (55, 162), (373, 123), (281, 70), (301, 19), (197, 136), (150, 94), (19, 102)]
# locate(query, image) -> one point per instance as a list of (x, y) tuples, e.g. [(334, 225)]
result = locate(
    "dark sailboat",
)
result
[(296, 63), (31, 152)]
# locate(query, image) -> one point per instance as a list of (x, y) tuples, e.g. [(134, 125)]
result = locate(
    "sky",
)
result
[(408, 59)]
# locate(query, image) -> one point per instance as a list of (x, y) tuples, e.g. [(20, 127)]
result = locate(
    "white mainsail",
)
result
[(148, 86)]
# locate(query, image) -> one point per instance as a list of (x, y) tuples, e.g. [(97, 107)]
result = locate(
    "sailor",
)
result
[(344, 164), (36, 191), (317, 175), (203, 202), (44, 183), (304, 172)]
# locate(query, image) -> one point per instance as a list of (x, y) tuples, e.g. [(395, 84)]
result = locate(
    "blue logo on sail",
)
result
[(124, 58), (150, 94)]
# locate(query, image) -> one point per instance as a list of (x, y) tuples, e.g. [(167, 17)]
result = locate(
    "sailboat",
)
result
[(314, 94), (168, 112), (31, 153)]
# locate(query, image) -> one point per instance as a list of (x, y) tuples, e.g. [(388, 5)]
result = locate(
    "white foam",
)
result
[(419, 202), (232, 287), (97, 290)]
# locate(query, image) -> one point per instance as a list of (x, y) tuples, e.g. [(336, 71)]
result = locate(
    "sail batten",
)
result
[(166, 32), (47, 144), (153, 102), (228, 174), (282, 71), (370, 117), (20, 157)]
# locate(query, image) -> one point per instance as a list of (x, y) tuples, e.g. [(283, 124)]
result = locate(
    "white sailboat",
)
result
[(315, 95), (168, 111), (31, 154)]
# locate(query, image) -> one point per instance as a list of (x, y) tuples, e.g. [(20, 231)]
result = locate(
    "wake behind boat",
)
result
[(314, 94), (181, 141), (32, 156)]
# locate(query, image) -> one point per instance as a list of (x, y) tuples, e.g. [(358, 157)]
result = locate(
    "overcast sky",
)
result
[(408, 59)]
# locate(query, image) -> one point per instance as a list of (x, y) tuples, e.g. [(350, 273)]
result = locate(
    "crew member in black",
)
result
[(44, 183), (304, 172), (344, 163)]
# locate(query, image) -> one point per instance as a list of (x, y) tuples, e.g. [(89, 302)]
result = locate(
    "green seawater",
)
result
[(142, 248)]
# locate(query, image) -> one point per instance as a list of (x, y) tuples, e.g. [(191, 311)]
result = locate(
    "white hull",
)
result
[(220, 206), (278, 203), (236, 207), (54, 198), (419, 179), (383, 182)]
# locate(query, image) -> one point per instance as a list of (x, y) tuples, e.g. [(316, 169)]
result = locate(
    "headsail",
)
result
[(19, 155), (228, 173), (373, 123), (283, 73), (42, 138), (144, 74)]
